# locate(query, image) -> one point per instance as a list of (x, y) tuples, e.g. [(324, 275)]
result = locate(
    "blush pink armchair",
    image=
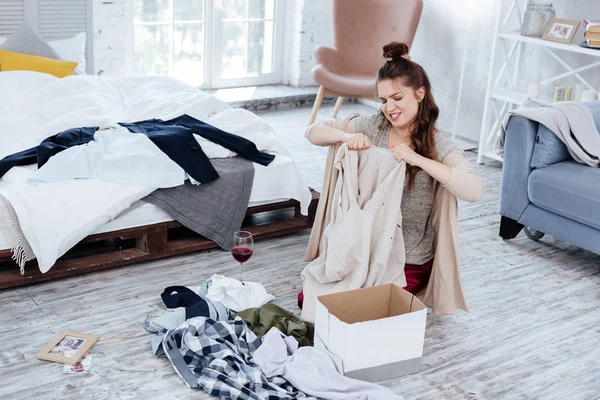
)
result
[(360, 29)]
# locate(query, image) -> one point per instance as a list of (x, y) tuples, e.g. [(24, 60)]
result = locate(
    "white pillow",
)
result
[(71, 49)]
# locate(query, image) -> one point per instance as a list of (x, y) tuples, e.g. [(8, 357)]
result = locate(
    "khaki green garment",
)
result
[(261, 320)]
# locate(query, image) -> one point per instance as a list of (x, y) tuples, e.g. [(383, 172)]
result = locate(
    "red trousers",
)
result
[(417, 276)]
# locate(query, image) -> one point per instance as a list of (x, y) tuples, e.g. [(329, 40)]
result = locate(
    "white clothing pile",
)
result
[(312, 371), (235, 295)]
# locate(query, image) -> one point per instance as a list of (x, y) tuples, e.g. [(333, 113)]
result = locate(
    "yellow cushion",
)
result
[(10, 61)]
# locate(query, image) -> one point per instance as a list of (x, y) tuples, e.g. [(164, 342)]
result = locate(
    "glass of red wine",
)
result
[(243, 248)]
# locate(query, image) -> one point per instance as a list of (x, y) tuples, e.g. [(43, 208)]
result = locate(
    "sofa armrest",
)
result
[(518, 150)]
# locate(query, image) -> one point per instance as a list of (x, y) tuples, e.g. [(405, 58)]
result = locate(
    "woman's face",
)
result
[(399, 103)]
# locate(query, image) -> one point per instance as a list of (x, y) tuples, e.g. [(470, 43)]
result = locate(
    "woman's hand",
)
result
[(404, 153), (358, 141)]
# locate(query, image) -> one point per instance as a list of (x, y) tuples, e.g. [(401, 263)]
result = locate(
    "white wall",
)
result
[(312, 27), (110, 32), (440, 44), (292, 42)]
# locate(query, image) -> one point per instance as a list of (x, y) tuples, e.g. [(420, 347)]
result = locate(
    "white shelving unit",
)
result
[(501, 99)]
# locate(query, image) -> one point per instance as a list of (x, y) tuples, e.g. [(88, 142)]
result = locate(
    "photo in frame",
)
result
[(561, 30), (68, 347)]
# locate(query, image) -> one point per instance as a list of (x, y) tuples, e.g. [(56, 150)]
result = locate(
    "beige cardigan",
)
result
[(443, 293), (363, 245)]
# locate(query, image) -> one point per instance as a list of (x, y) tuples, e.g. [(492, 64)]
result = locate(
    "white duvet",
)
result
[(54, 217)]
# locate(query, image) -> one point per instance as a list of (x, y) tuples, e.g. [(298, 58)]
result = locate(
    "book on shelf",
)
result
[(562, 93), (593, 43), (591, 25), (559, 93), (568, 94), (592, 35)]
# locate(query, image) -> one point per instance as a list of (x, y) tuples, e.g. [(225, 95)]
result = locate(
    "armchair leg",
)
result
[(317, 105), (509, 228), (338, 105)]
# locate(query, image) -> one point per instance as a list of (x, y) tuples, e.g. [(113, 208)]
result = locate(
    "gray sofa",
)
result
[(544, 190)]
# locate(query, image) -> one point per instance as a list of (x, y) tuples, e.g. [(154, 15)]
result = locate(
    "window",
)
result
[(209, 43)]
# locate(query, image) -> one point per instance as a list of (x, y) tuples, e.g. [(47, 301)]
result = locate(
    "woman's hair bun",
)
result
[(395, 50)]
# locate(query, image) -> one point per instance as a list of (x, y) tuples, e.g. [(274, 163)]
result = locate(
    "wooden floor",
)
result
[(533, 331)]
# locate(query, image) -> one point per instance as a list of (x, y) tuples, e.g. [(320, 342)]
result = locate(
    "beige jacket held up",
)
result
[(363, 245), (444, 293)]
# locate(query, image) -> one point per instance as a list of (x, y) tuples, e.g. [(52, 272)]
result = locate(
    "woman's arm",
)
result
[(329, 132), (454, 172), (464, 182), (338, 131), (438, 171)]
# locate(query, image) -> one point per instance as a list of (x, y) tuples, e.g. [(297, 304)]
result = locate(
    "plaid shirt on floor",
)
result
[(217, 357)]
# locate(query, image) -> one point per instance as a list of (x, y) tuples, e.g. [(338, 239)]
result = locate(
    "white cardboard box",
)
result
[(374, 333)]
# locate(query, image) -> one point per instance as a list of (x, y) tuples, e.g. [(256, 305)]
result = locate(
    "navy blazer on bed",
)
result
[(49, 147), (174, 137)]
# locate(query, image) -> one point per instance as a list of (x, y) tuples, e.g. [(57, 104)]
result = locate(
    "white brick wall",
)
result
[(110, 32), (316, 29), (292, 42)]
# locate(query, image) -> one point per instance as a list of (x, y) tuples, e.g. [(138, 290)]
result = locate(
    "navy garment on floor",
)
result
[(174, 137), (49, 147), (195, 305), (197, 164), (179, 296)]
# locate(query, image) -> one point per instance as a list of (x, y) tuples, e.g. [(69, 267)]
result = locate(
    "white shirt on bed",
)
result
[(115, 155)]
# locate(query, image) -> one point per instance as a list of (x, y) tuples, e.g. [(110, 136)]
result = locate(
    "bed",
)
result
[(87, 225)]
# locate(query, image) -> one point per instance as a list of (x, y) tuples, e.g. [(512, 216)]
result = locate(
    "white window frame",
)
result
[(212, 42), (215, 63)]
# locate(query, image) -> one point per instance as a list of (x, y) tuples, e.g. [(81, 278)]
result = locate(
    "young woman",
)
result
[(407, 125)]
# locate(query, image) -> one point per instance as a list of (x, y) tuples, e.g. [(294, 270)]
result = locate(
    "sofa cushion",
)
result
[(548, 149), (569, 189)]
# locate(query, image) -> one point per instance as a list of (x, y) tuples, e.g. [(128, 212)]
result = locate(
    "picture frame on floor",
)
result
[(561, 30), (68, 347)]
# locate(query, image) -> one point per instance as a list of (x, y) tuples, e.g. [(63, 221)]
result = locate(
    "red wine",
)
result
[(241, 254)]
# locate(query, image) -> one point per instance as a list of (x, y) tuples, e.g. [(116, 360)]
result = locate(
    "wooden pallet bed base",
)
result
[(151, 242)]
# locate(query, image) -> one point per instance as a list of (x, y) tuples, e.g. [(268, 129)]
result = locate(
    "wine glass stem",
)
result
[(241, 264)]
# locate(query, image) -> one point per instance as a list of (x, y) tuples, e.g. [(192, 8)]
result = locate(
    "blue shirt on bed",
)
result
[(115, 155)]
